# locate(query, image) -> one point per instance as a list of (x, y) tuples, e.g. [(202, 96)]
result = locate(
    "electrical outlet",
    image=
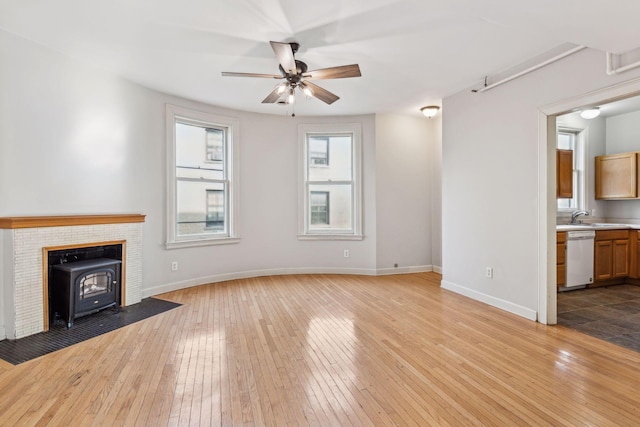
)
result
[(489, 272), (174, 266), (346, 253)]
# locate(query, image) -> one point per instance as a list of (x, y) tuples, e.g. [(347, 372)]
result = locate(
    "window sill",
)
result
[(330, 237), (202, 242)]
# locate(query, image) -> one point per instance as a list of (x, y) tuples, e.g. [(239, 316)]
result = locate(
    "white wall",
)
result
[(77, 140), (436, 193), (623, 135), (490, 178), (404, 175)]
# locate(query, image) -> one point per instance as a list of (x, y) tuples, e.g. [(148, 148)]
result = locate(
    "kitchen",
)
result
[(598, 221)]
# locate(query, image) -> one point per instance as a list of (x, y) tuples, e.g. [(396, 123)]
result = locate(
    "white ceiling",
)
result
[(411, 52)]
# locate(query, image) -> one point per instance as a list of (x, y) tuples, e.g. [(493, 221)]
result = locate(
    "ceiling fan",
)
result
[(295, 74)]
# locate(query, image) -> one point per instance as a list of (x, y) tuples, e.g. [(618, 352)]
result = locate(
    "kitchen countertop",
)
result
[(597, 226)]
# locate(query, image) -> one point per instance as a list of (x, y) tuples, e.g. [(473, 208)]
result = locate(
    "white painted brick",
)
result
[(27, 256)]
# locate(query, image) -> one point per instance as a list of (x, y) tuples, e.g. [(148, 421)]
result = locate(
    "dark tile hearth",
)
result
[(611, 313), (84, 328)]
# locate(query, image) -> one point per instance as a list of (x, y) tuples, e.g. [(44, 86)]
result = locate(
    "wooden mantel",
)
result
[(66, 220)]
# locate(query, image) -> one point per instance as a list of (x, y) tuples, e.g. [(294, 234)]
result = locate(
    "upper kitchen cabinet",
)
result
[(617, 176), (564, 174)]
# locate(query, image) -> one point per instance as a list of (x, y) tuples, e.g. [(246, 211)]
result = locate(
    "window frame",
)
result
[(177, 114), (304, 207)]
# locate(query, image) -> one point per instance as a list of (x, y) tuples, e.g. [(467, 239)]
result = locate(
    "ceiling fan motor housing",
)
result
[(301, 68)]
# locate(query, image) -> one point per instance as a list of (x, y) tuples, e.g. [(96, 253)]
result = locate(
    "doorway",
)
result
[(614, 97)]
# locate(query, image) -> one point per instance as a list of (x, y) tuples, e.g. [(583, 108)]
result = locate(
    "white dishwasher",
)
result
[(579, 259)]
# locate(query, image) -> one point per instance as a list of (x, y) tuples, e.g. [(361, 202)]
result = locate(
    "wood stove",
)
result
[(84, 287)]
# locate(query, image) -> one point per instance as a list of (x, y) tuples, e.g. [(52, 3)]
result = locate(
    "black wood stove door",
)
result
[(96, 289)]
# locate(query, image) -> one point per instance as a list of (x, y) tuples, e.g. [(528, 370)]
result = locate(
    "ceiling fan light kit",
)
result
[(295, 74), (305, 89)]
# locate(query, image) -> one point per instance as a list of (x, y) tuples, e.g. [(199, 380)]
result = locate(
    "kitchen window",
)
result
[(330, 184), (202, 178), (573, 139)]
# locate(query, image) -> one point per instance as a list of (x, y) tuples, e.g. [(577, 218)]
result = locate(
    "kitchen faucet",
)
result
[(576, 214)]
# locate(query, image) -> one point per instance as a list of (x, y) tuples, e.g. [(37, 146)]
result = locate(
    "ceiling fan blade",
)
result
[(267, 76), (272, 97), (284, 54), (334, 72), (322, 94)]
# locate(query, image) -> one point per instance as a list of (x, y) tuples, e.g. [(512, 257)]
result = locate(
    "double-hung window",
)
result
[(202, 171), (330, 184)]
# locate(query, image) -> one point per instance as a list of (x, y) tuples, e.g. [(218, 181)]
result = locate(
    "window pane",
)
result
[(215, 145), (565, 141), (319, 203), (318, 151), (339, 160), (330, 207), (215, 209), (193, 207), (194, 146)]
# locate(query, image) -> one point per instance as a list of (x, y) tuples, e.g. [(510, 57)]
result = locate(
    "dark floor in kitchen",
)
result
[(611, 313)]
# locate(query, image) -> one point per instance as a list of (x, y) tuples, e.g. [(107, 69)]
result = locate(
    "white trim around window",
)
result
[(307, 231), (230, 179)]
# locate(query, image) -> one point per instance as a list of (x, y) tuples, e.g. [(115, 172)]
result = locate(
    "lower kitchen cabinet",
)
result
[(603, 262), (561, 256), (634, 251), (612, 255)]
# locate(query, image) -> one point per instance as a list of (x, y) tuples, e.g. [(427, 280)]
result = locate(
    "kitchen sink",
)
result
[(566, 227)]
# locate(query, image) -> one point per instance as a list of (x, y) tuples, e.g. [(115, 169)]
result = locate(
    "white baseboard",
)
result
[(519, 310), (170, 287), (3, 333), (403, 270), (437, 269)]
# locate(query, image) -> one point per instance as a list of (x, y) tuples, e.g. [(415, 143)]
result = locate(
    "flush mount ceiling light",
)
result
[(430, 111), (590, 113)]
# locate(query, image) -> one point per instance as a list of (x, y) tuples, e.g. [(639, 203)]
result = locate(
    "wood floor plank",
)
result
[(324, 350)]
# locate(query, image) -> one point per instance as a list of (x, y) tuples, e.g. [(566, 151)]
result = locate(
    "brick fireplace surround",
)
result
[(23, 267)]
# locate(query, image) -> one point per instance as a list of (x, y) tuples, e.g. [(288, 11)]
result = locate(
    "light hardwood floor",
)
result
[(328, 350)]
